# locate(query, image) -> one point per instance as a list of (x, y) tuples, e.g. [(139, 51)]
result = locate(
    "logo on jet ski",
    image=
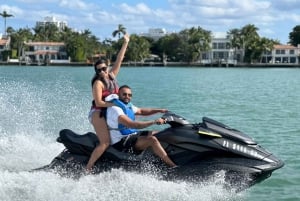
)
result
[(241, 148)]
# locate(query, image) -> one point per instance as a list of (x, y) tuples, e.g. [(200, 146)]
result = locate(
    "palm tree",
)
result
[(237, 42), (121, 29), (5, 15), (250, 40), (18, 37)]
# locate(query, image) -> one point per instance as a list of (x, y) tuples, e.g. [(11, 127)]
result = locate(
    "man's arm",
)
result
[(149, 111), (123, 119)]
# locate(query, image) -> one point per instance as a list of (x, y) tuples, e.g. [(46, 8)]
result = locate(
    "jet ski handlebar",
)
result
[(174, 119)]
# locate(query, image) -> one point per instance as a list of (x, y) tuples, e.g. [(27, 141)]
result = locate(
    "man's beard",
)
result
[(124, 102)]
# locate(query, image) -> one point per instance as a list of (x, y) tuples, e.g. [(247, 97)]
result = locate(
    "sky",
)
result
[(275, 19)]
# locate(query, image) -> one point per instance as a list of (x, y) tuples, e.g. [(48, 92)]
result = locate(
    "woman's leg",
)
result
[(144, 142), (102, 132)]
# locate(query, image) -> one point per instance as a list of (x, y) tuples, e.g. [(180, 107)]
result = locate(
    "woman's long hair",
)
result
[(106, 82)]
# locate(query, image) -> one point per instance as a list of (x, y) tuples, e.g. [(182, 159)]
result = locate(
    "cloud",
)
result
[(76, 5), (270, 16), (37, 1), (286, 5), (11, 10), (139, 9)]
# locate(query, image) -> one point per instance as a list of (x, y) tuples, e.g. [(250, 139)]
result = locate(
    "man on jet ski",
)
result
[(123, 127)]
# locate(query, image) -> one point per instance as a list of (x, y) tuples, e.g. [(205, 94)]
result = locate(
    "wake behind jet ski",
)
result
[(199, 149)]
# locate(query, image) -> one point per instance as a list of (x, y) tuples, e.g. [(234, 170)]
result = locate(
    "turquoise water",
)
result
[(37, 102)]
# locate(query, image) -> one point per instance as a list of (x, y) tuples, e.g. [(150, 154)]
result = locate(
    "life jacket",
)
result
[(113, 88), (128, 111)]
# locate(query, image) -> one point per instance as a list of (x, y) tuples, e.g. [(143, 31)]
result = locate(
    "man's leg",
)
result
[(144, 142)]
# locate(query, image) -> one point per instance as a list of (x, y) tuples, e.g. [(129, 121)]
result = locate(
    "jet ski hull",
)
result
[(235, 173)]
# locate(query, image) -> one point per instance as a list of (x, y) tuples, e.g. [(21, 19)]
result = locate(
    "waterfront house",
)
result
[(282, 54), (42, 53), (221, 53)]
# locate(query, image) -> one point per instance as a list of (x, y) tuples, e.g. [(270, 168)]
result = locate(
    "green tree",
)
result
[(170, 46), (138, 48), (19, 37), (265, 45), (80, 46), (119, 30), (193, 42), (234, 35), (153, 45), (294, 36), (75, 47), (185, 49), (92, 44), (199, 41), (108, 48), (5, 15), (46, 32), (250, 40), (236, 41)]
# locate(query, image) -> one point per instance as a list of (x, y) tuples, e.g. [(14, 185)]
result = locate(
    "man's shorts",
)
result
[(127, 144)]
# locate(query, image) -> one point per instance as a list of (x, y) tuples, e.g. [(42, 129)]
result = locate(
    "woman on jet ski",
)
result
[(104, 83)]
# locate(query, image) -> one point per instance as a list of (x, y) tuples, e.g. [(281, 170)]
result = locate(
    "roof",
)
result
[(284, 47)]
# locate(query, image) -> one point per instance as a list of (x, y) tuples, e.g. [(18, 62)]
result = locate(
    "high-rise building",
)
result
[(52, 20), (155, 33)]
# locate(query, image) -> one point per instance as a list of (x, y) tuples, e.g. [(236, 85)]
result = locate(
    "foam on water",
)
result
[(21, 153), (24, 141), (113, 185)]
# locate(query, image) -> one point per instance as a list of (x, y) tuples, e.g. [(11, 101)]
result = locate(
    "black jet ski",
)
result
[(201, 150)]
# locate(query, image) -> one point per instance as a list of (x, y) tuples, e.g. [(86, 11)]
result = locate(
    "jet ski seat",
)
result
[(85, 144)]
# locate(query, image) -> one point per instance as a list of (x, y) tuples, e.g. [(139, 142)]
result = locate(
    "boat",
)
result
[(201, 151)]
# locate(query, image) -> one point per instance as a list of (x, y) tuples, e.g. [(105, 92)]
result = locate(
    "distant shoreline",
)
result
[(160, 64)]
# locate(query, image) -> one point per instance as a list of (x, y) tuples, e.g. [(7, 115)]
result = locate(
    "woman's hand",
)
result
[(126, 38)]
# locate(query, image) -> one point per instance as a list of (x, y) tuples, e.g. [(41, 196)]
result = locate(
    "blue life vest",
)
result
[(127, 109)]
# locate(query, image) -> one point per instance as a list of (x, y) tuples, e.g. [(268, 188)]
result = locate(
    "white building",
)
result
[(45, 52), (155, 33), (52, 20), (221, 53), (282, 54)]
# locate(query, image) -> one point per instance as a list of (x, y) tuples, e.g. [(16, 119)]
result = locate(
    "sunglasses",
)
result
[(99, 70), (126, 94)]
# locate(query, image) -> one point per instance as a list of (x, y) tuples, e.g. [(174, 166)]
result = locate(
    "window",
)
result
[(292, 59), (214, 46), (292, 51), (221, 45), (277, 59), (280, 52)]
